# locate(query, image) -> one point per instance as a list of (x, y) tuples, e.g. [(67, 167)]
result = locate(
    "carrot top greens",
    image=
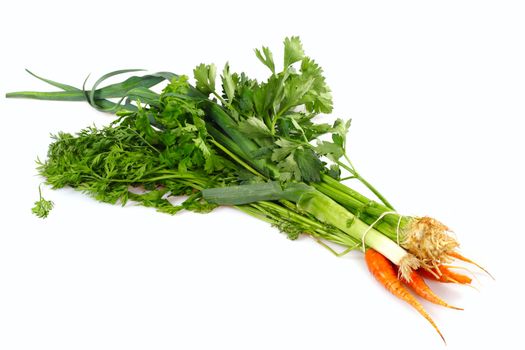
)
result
[(42, 206)]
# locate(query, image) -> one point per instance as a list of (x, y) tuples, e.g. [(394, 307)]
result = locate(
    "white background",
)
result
[(436, 92)]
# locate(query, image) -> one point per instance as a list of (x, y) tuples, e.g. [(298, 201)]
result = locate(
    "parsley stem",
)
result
[(375, 191), (223, 102), (280, 216), (234, 157), (276, 117), (356, 175)]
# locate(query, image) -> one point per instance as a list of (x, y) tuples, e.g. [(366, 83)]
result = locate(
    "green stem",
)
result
[(219, 97), (311, 202), (234, 157), (276, 214), (328, 211), (356, 175), (366, 209), (275, 118), (246, 145), (375, 191), (360, 210), (345, 189)]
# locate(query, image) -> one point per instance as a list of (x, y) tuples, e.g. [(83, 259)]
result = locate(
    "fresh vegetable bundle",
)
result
[(250, 144)]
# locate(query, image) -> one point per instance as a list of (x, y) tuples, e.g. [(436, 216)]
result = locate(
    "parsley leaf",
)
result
[(254, 127), (318, 98), (309, 165), (267, 59), (227, 83), (205, 78), (293, 51)]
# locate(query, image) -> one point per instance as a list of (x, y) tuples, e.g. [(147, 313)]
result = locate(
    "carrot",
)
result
[(384, 272), (445, 275), (454, 276), (458, 256), (418, 285)]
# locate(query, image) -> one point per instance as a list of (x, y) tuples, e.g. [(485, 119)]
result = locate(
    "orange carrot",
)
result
[(458, 256), (445, 275), (433, 275), (385, 273), (418, 285), (454, 276)]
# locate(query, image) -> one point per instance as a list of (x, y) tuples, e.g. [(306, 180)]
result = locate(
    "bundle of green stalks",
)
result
[(249, 144)]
